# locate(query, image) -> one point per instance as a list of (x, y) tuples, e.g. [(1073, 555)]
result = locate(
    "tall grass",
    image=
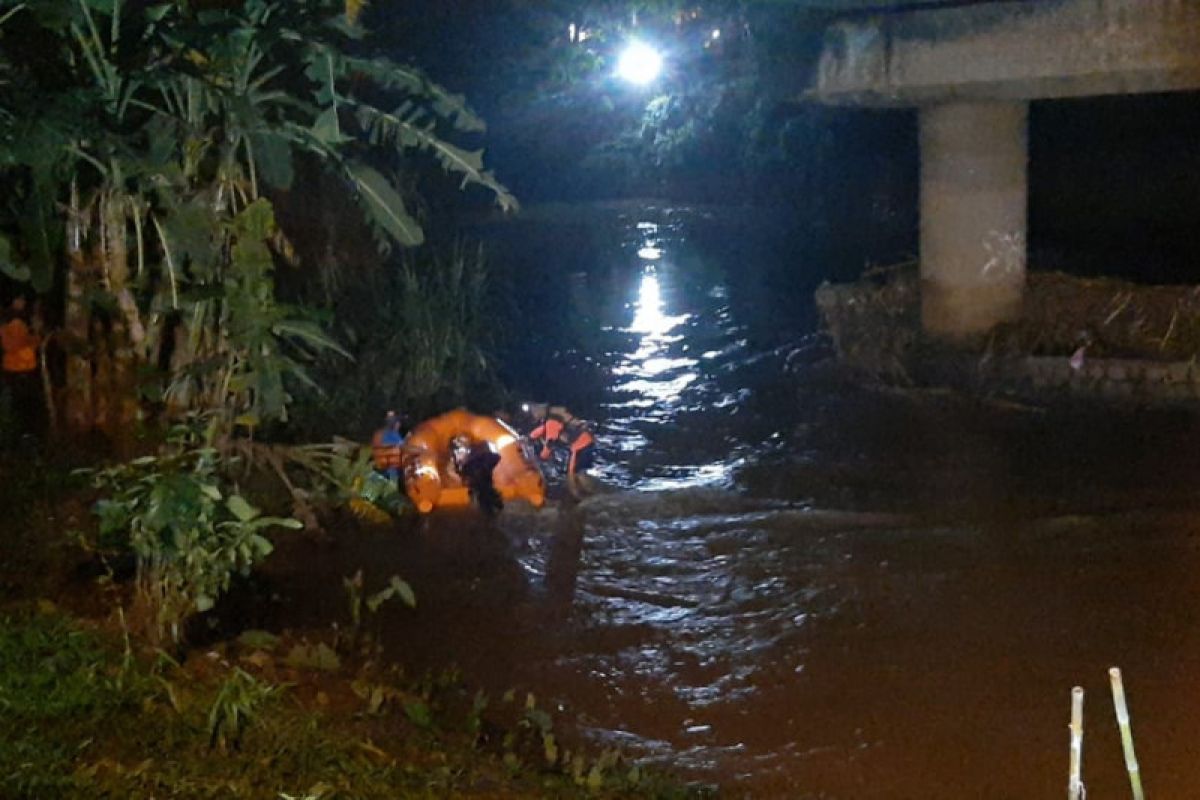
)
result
[(444, 328), (421, 336)]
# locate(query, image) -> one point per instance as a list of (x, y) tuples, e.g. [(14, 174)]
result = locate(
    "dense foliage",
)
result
[(421, 335), (147, 146), (142, 143), (189, 530)]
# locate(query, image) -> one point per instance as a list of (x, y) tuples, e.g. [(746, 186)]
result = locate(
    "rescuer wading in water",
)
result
[(557, 427)]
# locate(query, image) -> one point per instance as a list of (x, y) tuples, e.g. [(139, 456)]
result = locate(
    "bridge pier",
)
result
[(971, 67), (974, 159)]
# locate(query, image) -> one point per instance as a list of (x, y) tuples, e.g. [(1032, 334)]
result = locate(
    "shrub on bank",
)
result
[(89, 715)]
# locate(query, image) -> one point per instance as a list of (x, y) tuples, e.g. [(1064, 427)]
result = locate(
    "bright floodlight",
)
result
[(639, 64)]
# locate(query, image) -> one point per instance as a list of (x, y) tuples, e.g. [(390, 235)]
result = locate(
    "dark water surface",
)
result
[(792, 587)]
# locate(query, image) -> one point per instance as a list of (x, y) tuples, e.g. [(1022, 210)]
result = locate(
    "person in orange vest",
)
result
[(20, 362), (386, 446), (556, 426)]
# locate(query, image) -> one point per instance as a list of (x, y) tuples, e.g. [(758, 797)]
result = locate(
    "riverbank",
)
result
[(244, 713), (1090, 339), (90, 714)]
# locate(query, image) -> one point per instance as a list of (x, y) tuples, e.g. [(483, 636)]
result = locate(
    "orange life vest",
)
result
[(386, 456), (20, 346), (550, 429), (562, 426), (558, 423), (581, 439)]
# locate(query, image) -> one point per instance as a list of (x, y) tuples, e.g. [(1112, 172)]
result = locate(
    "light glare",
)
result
[(639, 64)]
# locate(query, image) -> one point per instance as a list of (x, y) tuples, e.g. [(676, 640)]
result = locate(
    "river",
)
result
[(789, 585)]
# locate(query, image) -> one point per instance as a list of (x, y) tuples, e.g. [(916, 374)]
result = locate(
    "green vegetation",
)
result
[(144, 148), (88, 719), (141, 146), (420, 336), (189, 530)]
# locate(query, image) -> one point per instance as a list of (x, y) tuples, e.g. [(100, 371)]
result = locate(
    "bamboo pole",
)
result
[(1118, 692), (1074, 782)]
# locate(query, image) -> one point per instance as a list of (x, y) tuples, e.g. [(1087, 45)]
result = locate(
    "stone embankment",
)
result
[(1094, 339), (1116, 379)]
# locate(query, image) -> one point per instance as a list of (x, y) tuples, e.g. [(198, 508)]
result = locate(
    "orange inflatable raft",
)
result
[(431, 484)]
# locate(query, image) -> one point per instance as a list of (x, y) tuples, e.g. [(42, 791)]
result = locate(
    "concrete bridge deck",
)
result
[(1012, 51), (971, 70)]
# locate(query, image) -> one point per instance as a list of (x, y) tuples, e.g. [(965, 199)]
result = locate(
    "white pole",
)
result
[(1075, 784), (1118, 692)]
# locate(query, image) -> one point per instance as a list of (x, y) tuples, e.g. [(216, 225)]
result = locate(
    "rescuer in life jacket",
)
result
[(474, 461), (20, 363), (555, 426), (386, 447)]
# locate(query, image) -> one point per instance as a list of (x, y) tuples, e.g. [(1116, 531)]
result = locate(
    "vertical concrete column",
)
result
[(973, 215)]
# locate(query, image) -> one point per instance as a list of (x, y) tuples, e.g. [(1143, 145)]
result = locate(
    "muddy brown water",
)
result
[(792, 587)]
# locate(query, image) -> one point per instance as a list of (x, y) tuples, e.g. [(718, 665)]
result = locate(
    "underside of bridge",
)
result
[(971, 68)]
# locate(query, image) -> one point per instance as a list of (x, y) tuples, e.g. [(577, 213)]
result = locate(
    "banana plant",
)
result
[(142, 163)]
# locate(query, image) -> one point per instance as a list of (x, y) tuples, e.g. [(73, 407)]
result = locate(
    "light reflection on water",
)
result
[(719, 473), (659, 380), (651, 318)]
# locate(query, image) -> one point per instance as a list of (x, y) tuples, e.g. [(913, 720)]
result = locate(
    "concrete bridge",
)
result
[(971, 68)]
